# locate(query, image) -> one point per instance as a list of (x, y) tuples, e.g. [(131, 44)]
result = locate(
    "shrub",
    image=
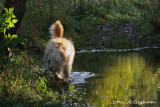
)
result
[(7, 41), (7, 21)]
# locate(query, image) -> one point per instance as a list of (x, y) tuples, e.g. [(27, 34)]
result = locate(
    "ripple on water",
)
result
[(114, 50), (79, 77)]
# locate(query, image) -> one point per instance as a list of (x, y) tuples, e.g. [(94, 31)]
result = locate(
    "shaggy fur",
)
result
[(59, 53)]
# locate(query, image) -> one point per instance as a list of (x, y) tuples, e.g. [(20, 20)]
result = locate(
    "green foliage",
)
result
[(79, 18), (76, 25), (25, 83), (21, 82), (41, 85), (7, 21), (120, 43), (150, 23)]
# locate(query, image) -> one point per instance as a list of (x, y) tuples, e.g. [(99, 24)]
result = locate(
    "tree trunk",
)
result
[(19, 10)]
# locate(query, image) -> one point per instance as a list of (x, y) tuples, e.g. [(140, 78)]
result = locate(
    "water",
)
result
[(119, 79)]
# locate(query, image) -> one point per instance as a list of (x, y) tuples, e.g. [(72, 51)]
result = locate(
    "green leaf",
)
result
[(5, 36), (11, 24), (4, 30), (7, 20), (13, 16), (7, 26), (22, 43), (14, 21), (9, 36), (14, 36), (6, 10), (11, 10)]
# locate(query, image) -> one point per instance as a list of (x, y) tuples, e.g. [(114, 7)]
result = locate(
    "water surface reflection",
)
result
[(120, 78)]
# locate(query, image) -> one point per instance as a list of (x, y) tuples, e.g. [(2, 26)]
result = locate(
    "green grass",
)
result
[(24, 83), (79, 18), (150, 24), (120, 43)]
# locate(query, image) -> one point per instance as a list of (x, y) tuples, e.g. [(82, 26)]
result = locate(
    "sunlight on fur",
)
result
[(59, 53)]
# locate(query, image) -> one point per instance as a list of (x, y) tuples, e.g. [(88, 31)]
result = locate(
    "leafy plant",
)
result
[(7, 21), (41, 86)]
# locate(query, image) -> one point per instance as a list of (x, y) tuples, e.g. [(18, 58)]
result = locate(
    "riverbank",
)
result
[(120, 35)]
